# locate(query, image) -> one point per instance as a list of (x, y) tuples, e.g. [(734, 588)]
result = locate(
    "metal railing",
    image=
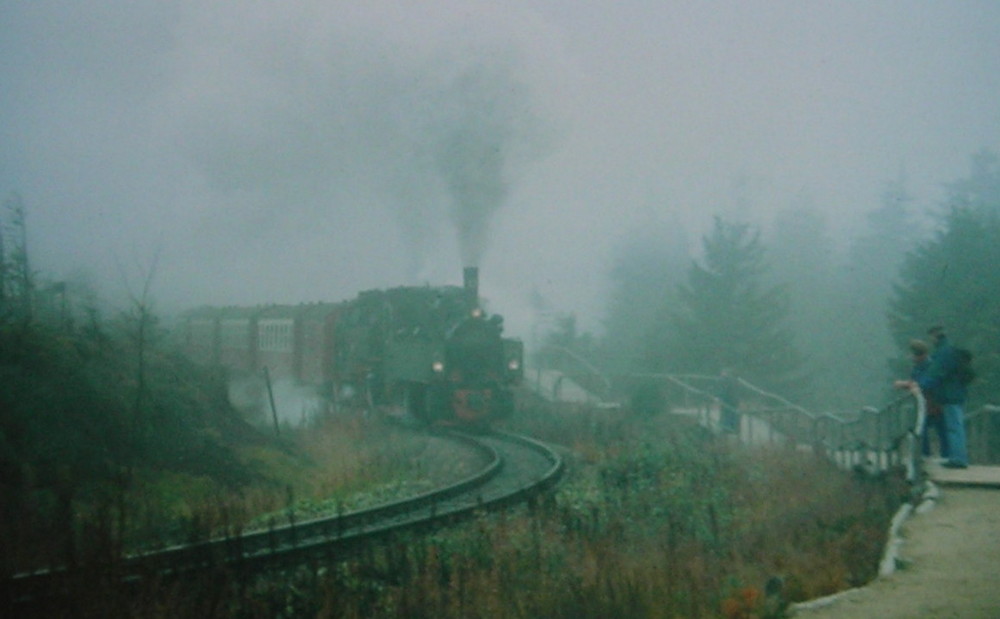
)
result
[(872, 439), (578, 369)]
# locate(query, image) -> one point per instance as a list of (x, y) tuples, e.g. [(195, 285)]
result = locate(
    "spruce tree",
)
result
[(728, 318), (952, 279)]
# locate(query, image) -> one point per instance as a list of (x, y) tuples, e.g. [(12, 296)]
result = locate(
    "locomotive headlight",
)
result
[(438, 366), (477, 313), (513, 365)]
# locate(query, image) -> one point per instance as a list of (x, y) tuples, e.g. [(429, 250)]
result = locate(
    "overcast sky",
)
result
[(301, 151)]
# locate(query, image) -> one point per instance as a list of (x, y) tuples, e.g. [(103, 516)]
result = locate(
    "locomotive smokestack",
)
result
[(471, 279)]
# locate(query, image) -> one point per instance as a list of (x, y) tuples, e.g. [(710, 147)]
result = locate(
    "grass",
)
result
[(335, 464), (656, 519)]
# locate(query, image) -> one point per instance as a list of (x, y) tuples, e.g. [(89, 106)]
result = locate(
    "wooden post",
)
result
[(270, 397)]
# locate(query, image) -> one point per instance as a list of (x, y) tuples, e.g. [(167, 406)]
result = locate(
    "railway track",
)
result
[(517, 469)]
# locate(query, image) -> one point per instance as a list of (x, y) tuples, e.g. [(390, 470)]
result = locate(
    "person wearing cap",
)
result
[(940, 383)]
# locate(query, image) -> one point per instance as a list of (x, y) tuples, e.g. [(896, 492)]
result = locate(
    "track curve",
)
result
[(517, 469)]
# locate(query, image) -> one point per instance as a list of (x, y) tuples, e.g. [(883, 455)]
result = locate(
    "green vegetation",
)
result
[(657, 519), (91, 471), (109, 443), (77, 442), (951, 279), (727, 317), (846, 313)]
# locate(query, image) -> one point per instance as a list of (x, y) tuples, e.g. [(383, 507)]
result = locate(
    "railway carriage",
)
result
[(237, 339), (428, 352), (316, 324), (278, 341)]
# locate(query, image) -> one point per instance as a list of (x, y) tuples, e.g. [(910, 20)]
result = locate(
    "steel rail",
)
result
[(332, 537)]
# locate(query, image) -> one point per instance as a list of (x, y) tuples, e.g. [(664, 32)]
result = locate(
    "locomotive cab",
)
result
[(474, 352), (473, 378)]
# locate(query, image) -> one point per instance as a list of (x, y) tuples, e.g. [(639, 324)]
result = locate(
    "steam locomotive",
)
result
[(428, 352)]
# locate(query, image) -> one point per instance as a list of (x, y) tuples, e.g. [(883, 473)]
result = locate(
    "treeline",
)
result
[(16, 286), (75, 401), (91, 408), (951, 278), (790, 310)]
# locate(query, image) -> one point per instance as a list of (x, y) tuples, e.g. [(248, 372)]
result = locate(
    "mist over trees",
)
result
[(839, 301), (952, 278), (803, 263), (824, 326), (786, 308), (15, 272), (92, 408), (728, 316), (643, 280), (873, 262)]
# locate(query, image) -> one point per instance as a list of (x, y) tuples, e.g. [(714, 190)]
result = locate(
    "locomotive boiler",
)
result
[(432, 353)]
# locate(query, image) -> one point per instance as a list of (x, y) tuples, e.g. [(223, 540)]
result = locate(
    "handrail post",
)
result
[(913, 468)]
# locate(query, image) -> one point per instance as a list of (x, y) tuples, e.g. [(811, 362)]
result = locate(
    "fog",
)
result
[(286, 152)]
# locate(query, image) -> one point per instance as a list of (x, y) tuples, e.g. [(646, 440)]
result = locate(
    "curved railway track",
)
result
[(517, 469)]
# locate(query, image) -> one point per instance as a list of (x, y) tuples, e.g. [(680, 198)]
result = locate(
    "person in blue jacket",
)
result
[(941, 383)]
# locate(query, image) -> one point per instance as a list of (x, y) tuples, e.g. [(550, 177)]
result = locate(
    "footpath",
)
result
[(947, 558)]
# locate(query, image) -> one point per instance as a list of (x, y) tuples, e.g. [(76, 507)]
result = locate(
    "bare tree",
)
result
[(140, 320), (16, 285)]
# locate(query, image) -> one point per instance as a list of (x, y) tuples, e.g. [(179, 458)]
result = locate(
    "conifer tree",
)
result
[(727, 318), (952, 278), (16, 285)]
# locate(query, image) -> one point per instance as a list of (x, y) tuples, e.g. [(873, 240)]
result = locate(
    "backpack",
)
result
[(963, 366)]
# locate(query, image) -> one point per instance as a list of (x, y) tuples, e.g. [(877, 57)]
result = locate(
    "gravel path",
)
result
[(951, 566)]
